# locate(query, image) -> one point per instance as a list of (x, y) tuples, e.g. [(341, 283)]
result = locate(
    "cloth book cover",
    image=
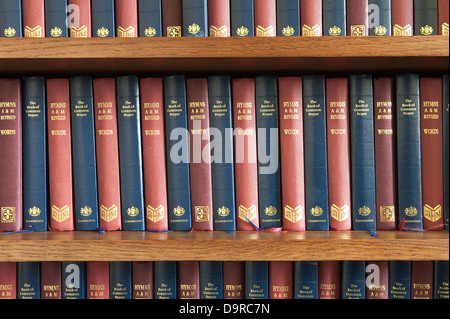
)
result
[(103, 19), (120, 280), (150, 18), (334, 15), (55, 19), (306, 280), (165, 279), (242, 18)]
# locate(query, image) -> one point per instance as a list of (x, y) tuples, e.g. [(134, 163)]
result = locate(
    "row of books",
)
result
[(225, 280), (222, 18), (222, 153)]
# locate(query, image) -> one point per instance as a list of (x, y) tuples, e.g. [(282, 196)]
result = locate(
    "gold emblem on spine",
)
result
[(155, 214), (178, 211), (221, 32), (174, 32), (34, 211), (245, 213), (55, 32), (265, 32), (103, 32), (201, 213), (426, 30), (8, 214), (60, 214), (432, 214), (35, 32), (81, 32), (364, 211), (445, 29), (288, 31), (150, 32), (340, 213), (381, 30), (132, 211), (334, 31), (9, 32), (411, 211), (86, 211), (293, 214), (358, 30), (125, 32), (223, 211), (308, 31), (108, 214), (316, 211), (399, 31), (194, 28), (387, 214), (242, 31), (270, 211)]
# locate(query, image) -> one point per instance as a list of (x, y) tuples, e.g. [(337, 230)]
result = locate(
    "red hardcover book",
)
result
[(377, 281), (329, 279), (338, 142), (265, 18), (219, 18), (80, 18), (97, 280), (188, 280), (200, 155), (107, 149), (291, 148), (8, 280), (33, 15), (385, 153), (126, 18), (233, 279), (10, 155), (432, 153), (311, 17), (172, 12), (422, 280), (280, 280), (142, 280), (358, 18), (245, 144), (443, 19), (402, 12), (154, 154), (59, 155), (51, 280)]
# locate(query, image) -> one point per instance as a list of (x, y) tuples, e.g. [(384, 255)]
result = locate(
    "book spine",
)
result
[(353, 285), (280, 280), (256, 280), (311, 18), (426, 17), (34, 153), (377, 280), (130, 153), (219, 18), (402, 13), (177, 145), (73, 280), (288, 18), (329, 279), (222, 161), (233, 279), (357, 18), (142, 280), (150, 18), (83, 153), (446, 138), (33, 18), (188, 280), (127, 18), (409, 151), (292, 158), (172, 13), (265, 18), (422, 279), (28, 280), (443, 17), (363, 152), (211, 280), (315, 150), (246, 166), (79, 20), (97, 279), (165, 273), (11, 19), (8, 280), (380, 17), (306, 280), (195, 18), (242, 18), (385, 153), (154, 154), (103, 19), (56, 18), (399, 280), (51, 280), (338, 154), (334, 15), (120, 280), (431, 125), (441, 280)]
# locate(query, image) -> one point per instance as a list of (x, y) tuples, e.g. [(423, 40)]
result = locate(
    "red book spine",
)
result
[(338, 141), (311, 17), (33, 15), (291, 147), (422, 280), (59, 155), (142, 280), (402, 12), (233, 279), (378, 277), (97, 280), (80, 18), (188, 280), (246, 166), (107, 150), (219, 18), (432, 153), (172, 12), (51, 280), (443, 17), (329, 279), (126, 18), (358, 18), (10, 155), (265, 18), (385, 153), (280, 280), (154, 154), (8, 278)]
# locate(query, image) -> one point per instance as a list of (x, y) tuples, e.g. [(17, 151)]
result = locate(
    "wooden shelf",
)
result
[(283, 55), (140, 246)]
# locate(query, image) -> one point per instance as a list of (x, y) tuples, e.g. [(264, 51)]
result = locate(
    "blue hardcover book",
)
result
[(103, 18), (334, 17), (211, 280), (446, 138), (222, 160), (177, 146), (267, 123), (11, 18), (150, 18), (426, 17), (399, 280), (353, 284), (288, 17), (34, 153), (380, 17), (73, 280), (315, 145), (242, 18), (306, 280), (56, 19), (29, 280), (130, 153), (120, 280), (409, 151), (195, 18), (441, 279), (362, 152), (83, 153), (165, 279), (256, 280)]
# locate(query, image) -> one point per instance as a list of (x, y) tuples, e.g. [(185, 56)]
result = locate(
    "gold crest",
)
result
[(9, 32), (270, 211), (358, 30), (381, 30), (293, 214), (34, 211), (8, 214), (35, 32), (86, 211), (411, 211), (308, 31), (432, 214), (221, 32), (125, 32), (387, 213), (150, 32), (108, 214), (194, 28), (250, 212), (334, 31), (55, 32), (364, 211), (178, 211), (155, 214), (402, 31), (265, 32), (316, 211), (201, 213), (340, 213), (223, 211), (426, 30), (445, 29), (174, 32), (242, 31), (288, 31), (60, 214), (103, 32), (132, 211)]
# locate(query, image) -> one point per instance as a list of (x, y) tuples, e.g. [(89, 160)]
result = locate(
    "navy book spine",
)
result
[(288, 17), (426, 17), (353, 285), (315, 145), (34, 153), (334, 17), (56, 19), (150, 18), (409, 151), (362, 152), (130, 153), (446, 138), (29, 280), (11, 18), (242, 18), (267, 123), (120, 280), (165, 279), (83, 153), (211, 280), (399, 280), (195, 18), (177, 146), (103, 18), (222, 165), (306, 280), (256, 280), (73, 280), (441, 279), (380, 17)]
